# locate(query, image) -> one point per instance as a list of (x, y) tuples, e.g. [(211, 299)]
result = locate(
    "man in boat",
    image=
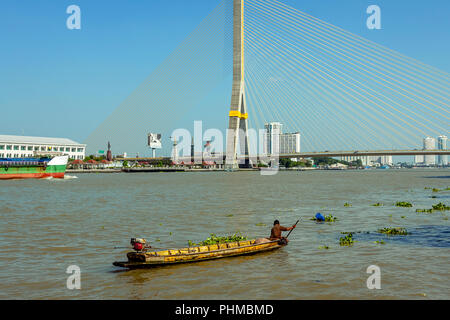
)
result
[(275, 233)]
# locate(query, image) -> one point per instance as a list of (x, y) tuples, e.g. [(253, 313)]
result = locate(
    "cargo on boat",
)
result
[(147, 259), (33, 168)]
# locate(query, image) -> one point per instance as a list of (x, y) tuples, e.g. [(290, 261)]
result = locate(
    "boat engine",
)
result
[(138, 244)]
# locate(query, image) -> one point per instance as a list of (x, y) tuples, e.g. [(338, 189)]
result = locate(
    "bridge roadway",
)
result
[(365, 153), (319, 154)]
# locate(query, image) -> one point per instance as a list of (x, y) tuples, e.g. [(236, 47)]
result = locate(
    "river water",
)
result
[(48, 225)]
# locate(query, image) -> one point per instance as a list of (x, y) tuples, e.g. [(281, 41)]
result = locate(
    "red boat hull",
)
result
[(39, 175)]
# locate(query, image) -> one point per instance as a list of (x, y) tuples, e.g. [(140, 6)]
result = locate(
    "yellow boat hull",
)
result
[(196, 254)]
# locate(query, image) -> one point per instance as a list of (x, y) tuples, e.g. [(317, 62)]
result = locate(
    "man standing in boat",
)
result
[(275, 233)]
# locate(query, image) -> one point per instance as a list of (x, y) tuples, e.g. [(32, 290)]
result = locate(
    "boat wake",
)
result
[(67, 177)]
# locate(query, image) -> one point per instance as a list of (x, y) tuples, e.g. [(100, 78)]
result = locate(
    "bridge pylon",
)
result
[(238, 116)]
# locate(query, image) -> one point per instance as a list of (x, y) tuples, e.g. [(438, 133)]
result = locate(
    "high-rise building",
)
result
[(429, 144), (349, 159), (290, 143), (386, 160), (272, 137), (277, 142), (419, 159), (442, 145)]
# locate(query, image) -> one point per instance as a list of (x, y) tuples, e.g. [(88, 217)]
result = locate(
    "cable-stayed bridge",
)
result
[(339, 90)]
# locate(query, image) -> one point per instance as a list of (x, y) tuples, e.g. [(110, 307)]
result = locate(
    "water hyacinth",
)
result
[(377, 204), (437, 207), (424, 210), (214, 239), (347, 240), (440, 207), (394, 231), (328, 218), (403, 204)]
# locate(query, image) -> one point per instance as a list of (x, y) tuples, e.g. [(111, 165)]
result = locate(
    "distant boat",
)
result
[(33, 168), (384, 167)]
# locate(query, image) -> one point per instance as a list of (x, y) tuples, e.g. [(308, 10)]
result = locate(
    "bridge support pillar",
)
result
[(238, 117)]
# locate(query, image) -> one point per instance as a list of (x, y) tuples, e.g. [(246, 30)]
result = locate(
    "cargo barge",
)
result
[(33, 168)]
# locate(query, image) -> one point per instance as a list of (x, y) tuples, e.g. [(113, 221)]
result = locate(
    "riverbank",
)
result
[(182, 169)]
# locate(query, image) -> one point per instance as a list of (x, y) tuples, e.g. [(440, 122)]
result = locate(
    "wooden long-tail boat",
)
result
[(147, 259)]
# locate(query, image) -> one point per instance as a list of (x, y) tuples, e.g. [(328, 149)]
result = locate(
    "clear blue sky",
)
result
[(63, 83)]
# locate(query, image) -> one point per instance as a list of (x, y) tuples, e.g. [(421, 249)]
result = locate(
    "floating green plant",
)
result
[(424, 210), (230, 215), (328, 218), (261, 225), (347, 240), (347, 232), (437, 207), (377, 204), (403, 204), (394, 231), (437, 190), (403, 217), (440, 207), (213, 239), (379, 242), (324, 247), (347, 204)]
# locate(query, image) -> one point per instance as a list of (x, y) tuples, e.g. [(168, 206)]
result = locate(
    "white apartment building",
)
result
[(419, 159), (24, 147), (290, 143), (271, 137), (385, 160), (275, 141), (365, 160), (370, 160), (429, 144), (442, 145)]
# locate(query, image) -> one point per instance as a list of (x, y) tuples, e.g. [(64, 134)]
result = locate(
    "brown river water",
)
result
[(48, 225)]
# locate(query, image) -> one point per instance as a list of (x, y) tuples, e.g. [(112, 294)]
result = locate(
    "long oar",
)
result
[(293, 229)]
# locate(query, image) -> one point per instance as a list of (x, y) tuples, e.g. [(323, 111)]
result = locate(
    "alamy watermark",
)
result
[(74, 280), (374, 281), (374, 20), (74, 20), (263, 148)]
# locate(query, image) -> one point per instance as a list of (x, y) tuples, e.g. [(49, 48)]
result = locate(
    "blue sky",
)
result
[(64, 83)]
